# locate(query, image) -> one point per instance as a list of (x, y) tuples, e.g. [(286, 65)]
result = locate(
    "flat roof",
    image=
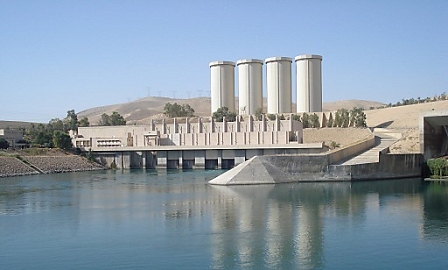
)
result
[(248, 61), (220, 63), (308, 56), (277, 59)]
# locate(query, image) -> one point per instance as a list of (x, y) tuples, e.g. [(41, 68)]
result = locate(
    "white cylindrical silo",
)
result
[(250, 86), (309, 83), (278, 83), (222, 84)]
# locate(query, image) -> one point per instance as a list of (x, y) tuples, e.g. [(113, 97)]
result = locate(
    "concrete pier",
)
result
[(184, 157)]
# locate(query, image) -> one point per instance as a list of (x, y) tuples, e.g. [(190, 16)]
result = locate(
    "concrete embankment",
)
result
[(284, 169), (11, 166), (27, 165), (319, 167)]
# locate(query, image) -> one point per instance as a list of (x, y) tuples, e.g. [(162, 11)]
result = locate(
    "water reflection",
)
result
[(283, 226), (292, 226), (435, 225)]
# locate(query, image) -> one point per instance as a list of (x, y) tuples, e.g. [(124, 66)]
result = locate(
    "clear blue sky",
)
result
[(62, 55)]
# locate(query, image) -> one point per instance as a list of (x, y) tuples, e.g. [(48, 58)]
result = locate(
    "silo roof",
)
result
[(276, 59), (308, 56), (218, 63), (245, 61)]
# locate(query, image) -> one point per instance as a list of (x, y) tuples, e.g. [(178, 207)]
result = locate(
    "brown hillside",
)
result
[(142, 110)]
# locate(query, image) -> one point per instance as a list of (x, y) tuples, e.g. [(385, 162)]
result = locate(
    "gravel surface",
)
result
[(57, 164), (11, 166)]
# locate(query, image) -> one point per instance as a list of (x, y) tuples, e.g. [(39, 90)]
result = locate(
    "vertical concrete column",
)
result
[(238, 124), (200, 125), (212, 125), (277, 123), (224, 125), (290, 123), (263, 122), (251, 123), (153, 126), (163, 126), (175, 126), (187, 125)]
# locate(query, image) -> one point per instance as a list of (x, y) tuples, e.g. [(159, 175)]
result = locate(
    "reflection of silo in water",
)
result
[(309, 83), (222, 78), (278, 83), (250, 85)]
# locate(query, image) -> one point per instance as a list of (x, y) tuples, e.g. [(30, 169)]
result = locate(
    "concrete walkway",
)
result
[(383, 140)]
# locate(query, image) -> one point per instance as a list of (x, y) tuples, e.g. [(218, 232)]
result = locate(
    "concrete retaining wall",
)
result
[(351, 150), (283, 169)]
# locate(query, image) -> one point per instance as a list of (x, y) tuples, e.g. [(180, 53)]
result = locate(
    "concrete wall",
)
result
[(192, 158), (185, 134), (312, 168), (351, 150)]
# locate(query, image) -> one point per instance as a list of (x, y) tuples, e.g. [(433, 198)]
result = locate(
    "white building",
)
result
[(13, 136)]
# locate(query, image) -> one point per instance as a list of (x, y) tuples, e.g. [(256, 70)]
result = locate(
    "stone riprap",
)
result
[(58, 164), (11, 166)]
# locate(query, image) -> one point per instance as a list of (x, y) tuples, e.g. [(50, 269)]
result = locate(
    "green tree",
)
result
[(342, 118), (305, 120), (296, 117), (177, 110), (117, 120), (258, 113), (330, 122), (55, 124), (357, 118), (4, 144), (71, 121), (437, 166), (62, 140), (314, 121), (224, 112), (41, 135), (105, 120), (84, 122)]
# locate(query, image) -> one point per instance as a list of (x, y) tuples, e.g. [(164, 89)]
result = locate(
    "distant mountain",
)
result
[(350, 104), (15, 124), (142, 110)]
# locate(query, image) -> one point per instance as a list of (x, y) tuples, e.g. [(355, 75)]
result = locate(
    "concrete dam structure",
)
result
[(345, 164), (193, 143)]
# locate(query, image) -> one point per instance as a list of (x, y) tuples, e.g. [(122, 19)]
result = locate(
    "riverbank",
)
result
[(25, 162)]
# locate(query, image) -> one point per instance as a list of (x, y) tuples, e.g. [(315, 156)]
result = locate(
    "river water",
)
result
[(174, 220)]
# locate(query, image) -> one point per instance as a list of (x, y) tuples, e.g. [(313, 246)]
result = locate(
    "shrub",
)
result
[(437, 166)]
